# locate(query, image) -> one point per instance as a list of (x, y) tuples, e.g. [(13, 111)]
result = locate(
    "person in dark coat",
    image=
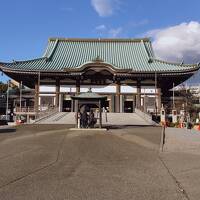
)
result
[(84, 119), (91, 121)]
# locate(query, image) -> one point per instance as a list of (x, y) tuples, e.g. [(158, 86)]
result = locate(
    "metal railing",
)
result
[(46, 113), (145, 116), (25, 109), (41, 114)]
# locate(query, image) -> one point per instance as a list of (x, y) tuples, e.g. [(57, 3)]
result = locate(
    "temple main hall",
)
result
[(124, 70)]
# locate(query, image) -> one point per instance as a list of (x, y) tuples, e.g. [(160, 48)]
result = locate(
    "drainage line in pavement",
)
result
[(40, 169), (162, 139), (182, 190)]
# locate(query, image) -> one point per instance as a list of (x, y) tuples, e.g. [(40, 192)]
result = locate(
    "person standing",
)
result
[(91, 119), (84, 119)]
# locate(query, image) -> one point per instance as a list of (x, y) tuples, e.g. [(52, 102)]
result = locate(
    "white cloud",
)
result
[(105, 7), (101, 27), (110, 32), (177, 43), (115, 32)]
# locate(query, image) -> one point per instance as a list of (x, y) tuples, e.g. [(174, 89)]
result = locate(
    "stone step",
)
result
[(112, 119)]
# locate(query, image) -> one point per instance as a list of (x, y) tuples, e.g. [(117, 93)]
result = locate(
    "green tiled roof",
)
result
[(132, 54)]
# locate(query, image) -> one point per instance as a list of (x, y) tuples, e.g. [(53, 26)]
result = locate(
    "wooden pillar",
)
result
[(138, 97), (134, 102), (77, 92), (77, 86), (72, 105), (122, 103), (60, 102), (117, 97), (57, 92), (100, 115), (36, 101), (145, 103), (77, 112), (112, 103)]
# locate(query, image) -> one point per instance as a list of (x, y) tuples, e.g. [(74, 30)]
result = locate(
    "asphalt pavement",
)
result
[(52, 162)]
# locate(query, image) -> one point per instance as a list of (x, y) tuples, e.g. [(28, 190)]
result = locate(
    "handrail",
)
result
[(145, 116), (45, 113)]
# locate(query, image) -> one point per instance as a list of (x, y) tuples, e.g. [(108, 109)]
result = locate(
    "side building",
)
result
[(125, 70)]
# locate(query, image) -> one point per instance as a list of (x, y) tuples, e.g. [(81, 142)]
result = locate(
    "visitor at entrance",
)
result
[(92, 120), (84, 119)]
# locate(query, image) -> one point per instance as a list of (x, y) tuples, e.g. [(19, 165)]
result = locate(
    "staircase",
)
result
[(59, 118), (112, 119), (121, 119)]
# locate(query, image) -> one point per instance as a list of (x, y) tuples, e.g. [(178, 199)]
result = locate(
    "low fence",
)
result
[(25, 109), (29, 111)]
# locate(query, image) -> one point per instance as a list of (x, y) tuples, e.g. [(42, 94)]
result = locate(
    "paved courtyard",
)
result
[(51, 162)]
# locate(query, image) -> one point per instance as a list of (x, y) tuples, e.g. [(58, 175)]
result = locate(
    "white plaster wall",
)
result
[(99, 89), (69, 88), (128, 89), (44, 88), (96, 88)]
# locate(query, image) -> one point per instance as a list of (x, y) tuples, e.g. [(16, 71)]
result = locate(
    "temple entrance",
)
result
[(67, 104), (88, 102), (88, 107), (128, 106)]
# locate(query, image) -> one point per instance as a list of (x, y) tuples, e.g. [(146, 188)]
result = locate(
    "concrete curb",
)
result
[(7, 129), (88, 129)]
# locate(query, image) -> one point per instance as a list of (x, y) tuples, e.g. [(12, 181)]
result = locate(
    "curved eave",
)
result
[(188, 70), (181, 68), (4, 67), (79, 70)]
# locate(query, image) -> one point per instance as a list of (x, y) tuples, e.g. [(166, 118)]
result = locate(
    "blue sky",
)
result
[(173, 25)]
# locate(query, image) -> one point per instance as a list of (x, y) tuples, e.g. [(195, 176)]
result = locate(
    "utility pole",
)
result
[(20, 96), (38, 91), (156, 94)]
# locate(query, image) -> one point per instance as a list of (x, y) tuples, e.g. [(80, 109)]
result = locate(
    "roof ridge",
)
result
[(147, 52), (48, 57), (100, 39)]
